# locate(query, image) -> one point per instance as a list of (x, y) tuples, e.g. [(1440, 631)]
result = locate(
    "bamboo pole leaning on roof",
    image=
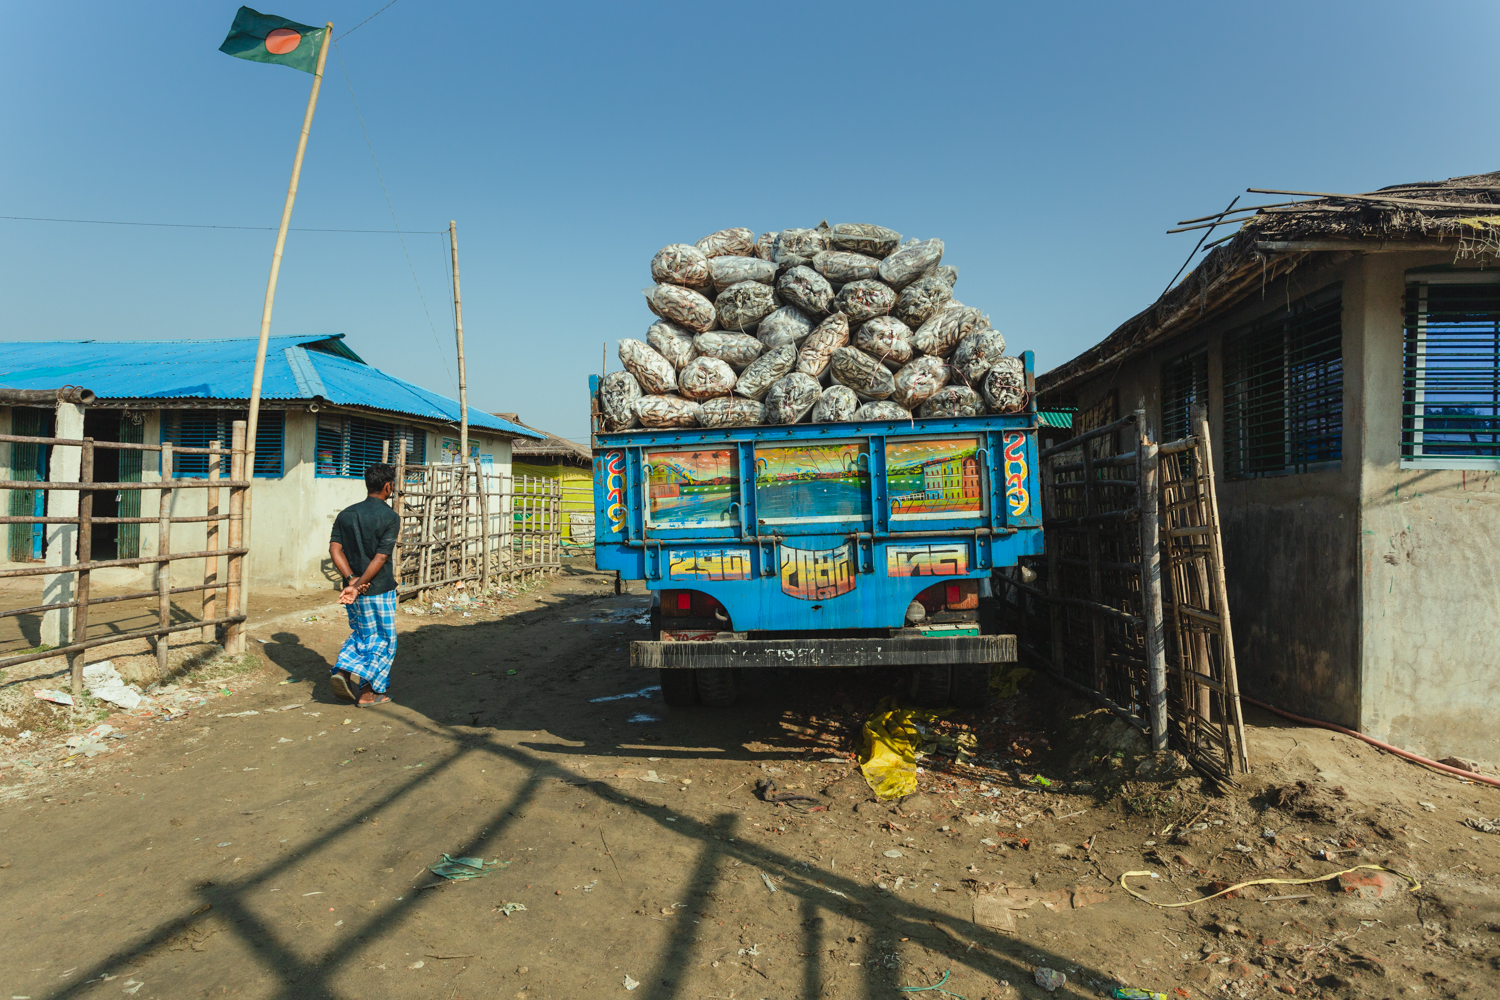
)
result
[(234, 634)]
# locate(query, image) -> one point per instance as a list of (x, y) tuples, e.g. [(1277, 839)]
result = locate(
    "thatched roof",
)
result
[(550, 447), (1460, 215)]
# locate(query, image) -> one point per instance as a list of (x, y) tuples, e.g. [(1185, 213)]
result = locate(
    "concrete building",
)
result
[(325, 416), (569, 462), (1348, 353)]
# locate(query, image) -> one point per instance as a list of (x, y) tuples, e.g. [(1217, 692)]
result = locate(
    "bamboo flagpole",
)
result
[(458, 324)]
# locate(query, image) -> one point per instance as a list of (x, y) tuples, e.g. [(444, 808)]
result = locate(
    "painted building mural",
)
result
[(927, 478), (794, 481), (692, 489)]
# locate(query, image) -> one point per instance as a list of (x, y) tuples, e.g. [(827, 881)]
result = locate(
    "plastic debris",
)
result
[(1049, 979), (463, 869), (106, 684), (56, 697), (1132, 993), (1483, 825), (936, 987), (508, 908), (891, 742), (644, 692), (767, 880), (631, 984), (893, 853)]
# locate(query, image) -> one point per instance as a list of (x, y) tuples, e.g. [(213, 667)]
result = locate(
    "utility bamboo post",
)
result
[(484, 528), (164, 567), (458, 328), (253, 425), (1146, 458), (80, 631), (234, 632), (211, 543), (425, 556), (399, 506), (385, 452)]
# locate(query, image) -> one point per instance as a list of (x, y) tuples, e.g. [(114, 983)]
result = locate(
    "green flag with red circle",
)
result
[(270, 39)]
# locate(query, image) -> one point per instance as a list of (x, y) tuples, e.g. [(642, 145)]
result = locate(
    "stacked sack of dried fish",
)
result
[(829, 324)]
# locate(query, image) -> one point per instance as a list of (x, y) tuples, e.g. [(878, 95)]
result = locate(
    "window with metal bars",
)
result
[(347, 446), (1450, 407), (199, 428), (1184, 382), (1284, 389)]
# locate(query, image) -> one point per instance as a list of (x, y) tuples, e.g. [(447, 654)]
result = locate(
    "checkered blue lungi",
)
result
[(371, 648)]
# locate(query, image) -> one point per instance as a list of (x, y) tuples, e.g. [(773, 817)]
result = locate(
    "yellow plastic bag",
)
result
[(892, 740)]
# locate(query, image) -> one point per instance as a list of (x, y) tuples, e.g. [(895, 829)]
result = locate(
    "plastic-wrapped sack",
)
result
[(787, 325), (730, 411), (681, 305), (953, 401), (618, 392), (842, 267), (817, 350), (706, 378), (882, 410), (757, 377), (735, 349), (916, 382), (975, 354), (763, 245), (836, 405), (863, 373), (888, 339), (666, 411), (728, 271), (1004, 386), (911, 262), (922, 299), (791, 397), (673, 342), (680, 264), (947, 272), (941, 334), (728, 243), (797, 246), (861, 237), (807, 290), (654, 372), (862, 300), (742, 306)]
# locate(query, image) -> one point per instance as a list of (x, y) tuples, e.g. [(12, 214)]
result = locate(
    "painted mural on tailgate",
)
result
[(708, 564), (936, 559), (692, 489), (937, 478), (794, 482), (817, 574)]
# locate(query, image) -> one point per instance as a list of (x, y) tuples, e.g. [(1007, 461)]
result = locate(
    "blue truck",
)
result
[(820, 545)]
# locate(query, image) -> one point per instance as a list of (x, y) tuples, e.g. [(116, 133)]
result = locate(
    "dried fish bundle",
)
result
[(863, 373), (863, 300), (787, 325), (791, 397), (793, 247), (817, 350), (728, 271), (618, 392), (947, 272), (666, 411), (1004, 386), (861, 237), (882, 410), (680, 264), (911, 262), (681, 305), (888, 339), (836, 405), (923, 299), (705, 378), (763, 245), (916, 382), (743, 305), (728, 242), (953, 401), (842, 267), (673, 342), (735, 349), (654, 372), (730, 411), (806, 289), (941, 334), (975, 355), (775, 364)]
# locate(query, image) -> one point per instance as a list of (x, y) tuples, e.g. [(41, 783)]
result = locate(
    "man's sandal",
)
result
[(376, 698), (346, 686)]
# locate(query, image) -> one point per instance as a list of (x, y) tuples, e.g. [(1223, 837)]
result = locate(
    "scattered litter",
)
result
[(227, 843), (1037, 779), (767, 880), (132, 986), (936, 987), (1483, 825), (56, 697), (653, 777), (630, 984), (318, 893), (508, 908), (288, 708), (239, 715), (347, 721), (643, 717), (644, 692), (1428, 806), (1415, 885), (1132, 993), (417, 964), (1049, 979), (105, 683), (283, 740), (835, 892), (893, 853), (462, 869), (765, 788), (309, 618), (892, 740)]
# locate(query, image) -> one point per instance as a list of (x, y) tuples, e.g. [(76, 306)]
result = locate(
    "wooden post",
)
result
[(1096, 573), (385, 452), (425, 553), (484, 528), (234, 634), (164, 566), (80, 631), (458, 326), (398, 505), (211, 544), (1151, 610), (253, 425)]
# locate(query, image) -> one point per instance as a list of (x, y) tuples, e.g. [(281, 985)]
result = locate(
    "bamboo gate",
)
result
[(1098, 613)]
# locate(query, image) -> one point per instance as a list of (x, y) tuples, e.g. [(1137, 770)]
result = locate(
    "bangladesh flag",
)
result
[(270, 39)]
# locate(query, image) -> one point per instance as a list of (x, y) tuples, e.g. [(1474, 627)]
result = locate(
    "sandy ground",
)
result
[(273, 842)]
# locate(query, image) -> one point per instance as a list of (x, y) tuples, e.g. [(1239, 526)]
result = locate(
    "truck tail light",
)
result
[(953, 594), (684, 601)]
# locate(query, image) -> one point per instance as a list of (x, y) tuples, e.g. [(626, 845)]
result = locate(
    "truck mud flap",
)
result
[(893, 652)]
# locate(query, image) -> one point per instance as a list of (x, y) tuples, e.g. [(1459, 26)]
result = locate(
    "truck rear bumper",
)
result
[(891, 652)]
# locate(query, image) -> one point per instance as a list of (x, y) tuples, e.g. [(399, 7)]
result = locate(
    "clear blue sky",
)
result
[(1049, 145)]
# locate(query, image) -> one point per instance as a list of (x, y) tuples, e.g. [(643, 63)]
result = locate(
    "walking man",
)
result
[(364, 537)]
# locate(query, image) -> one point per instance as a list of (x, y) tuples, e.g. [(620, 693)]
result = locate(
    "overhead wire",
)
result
[(197, 225), (365, 21)]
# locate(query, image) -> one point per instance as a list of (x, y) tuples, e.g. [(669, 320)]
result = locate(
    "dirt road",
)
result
[(273, 842)]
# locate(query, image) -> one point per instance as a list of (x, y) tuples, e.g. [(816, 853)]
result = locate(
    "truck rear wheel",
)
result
[(716, 688), (679, 688), (970, 686), (930, 685)]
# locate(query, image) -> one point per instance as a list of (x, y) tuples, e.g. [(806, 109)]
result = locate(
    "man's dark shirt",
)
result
[(364, 530)]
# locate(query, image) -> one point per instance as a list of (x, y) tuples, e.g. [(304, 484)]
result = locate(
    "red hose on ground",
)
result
[(1460, 772)]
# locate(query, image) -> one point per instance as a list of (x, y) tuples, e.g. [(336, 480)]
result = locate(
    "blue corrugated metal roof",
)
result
[(296, 368)]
